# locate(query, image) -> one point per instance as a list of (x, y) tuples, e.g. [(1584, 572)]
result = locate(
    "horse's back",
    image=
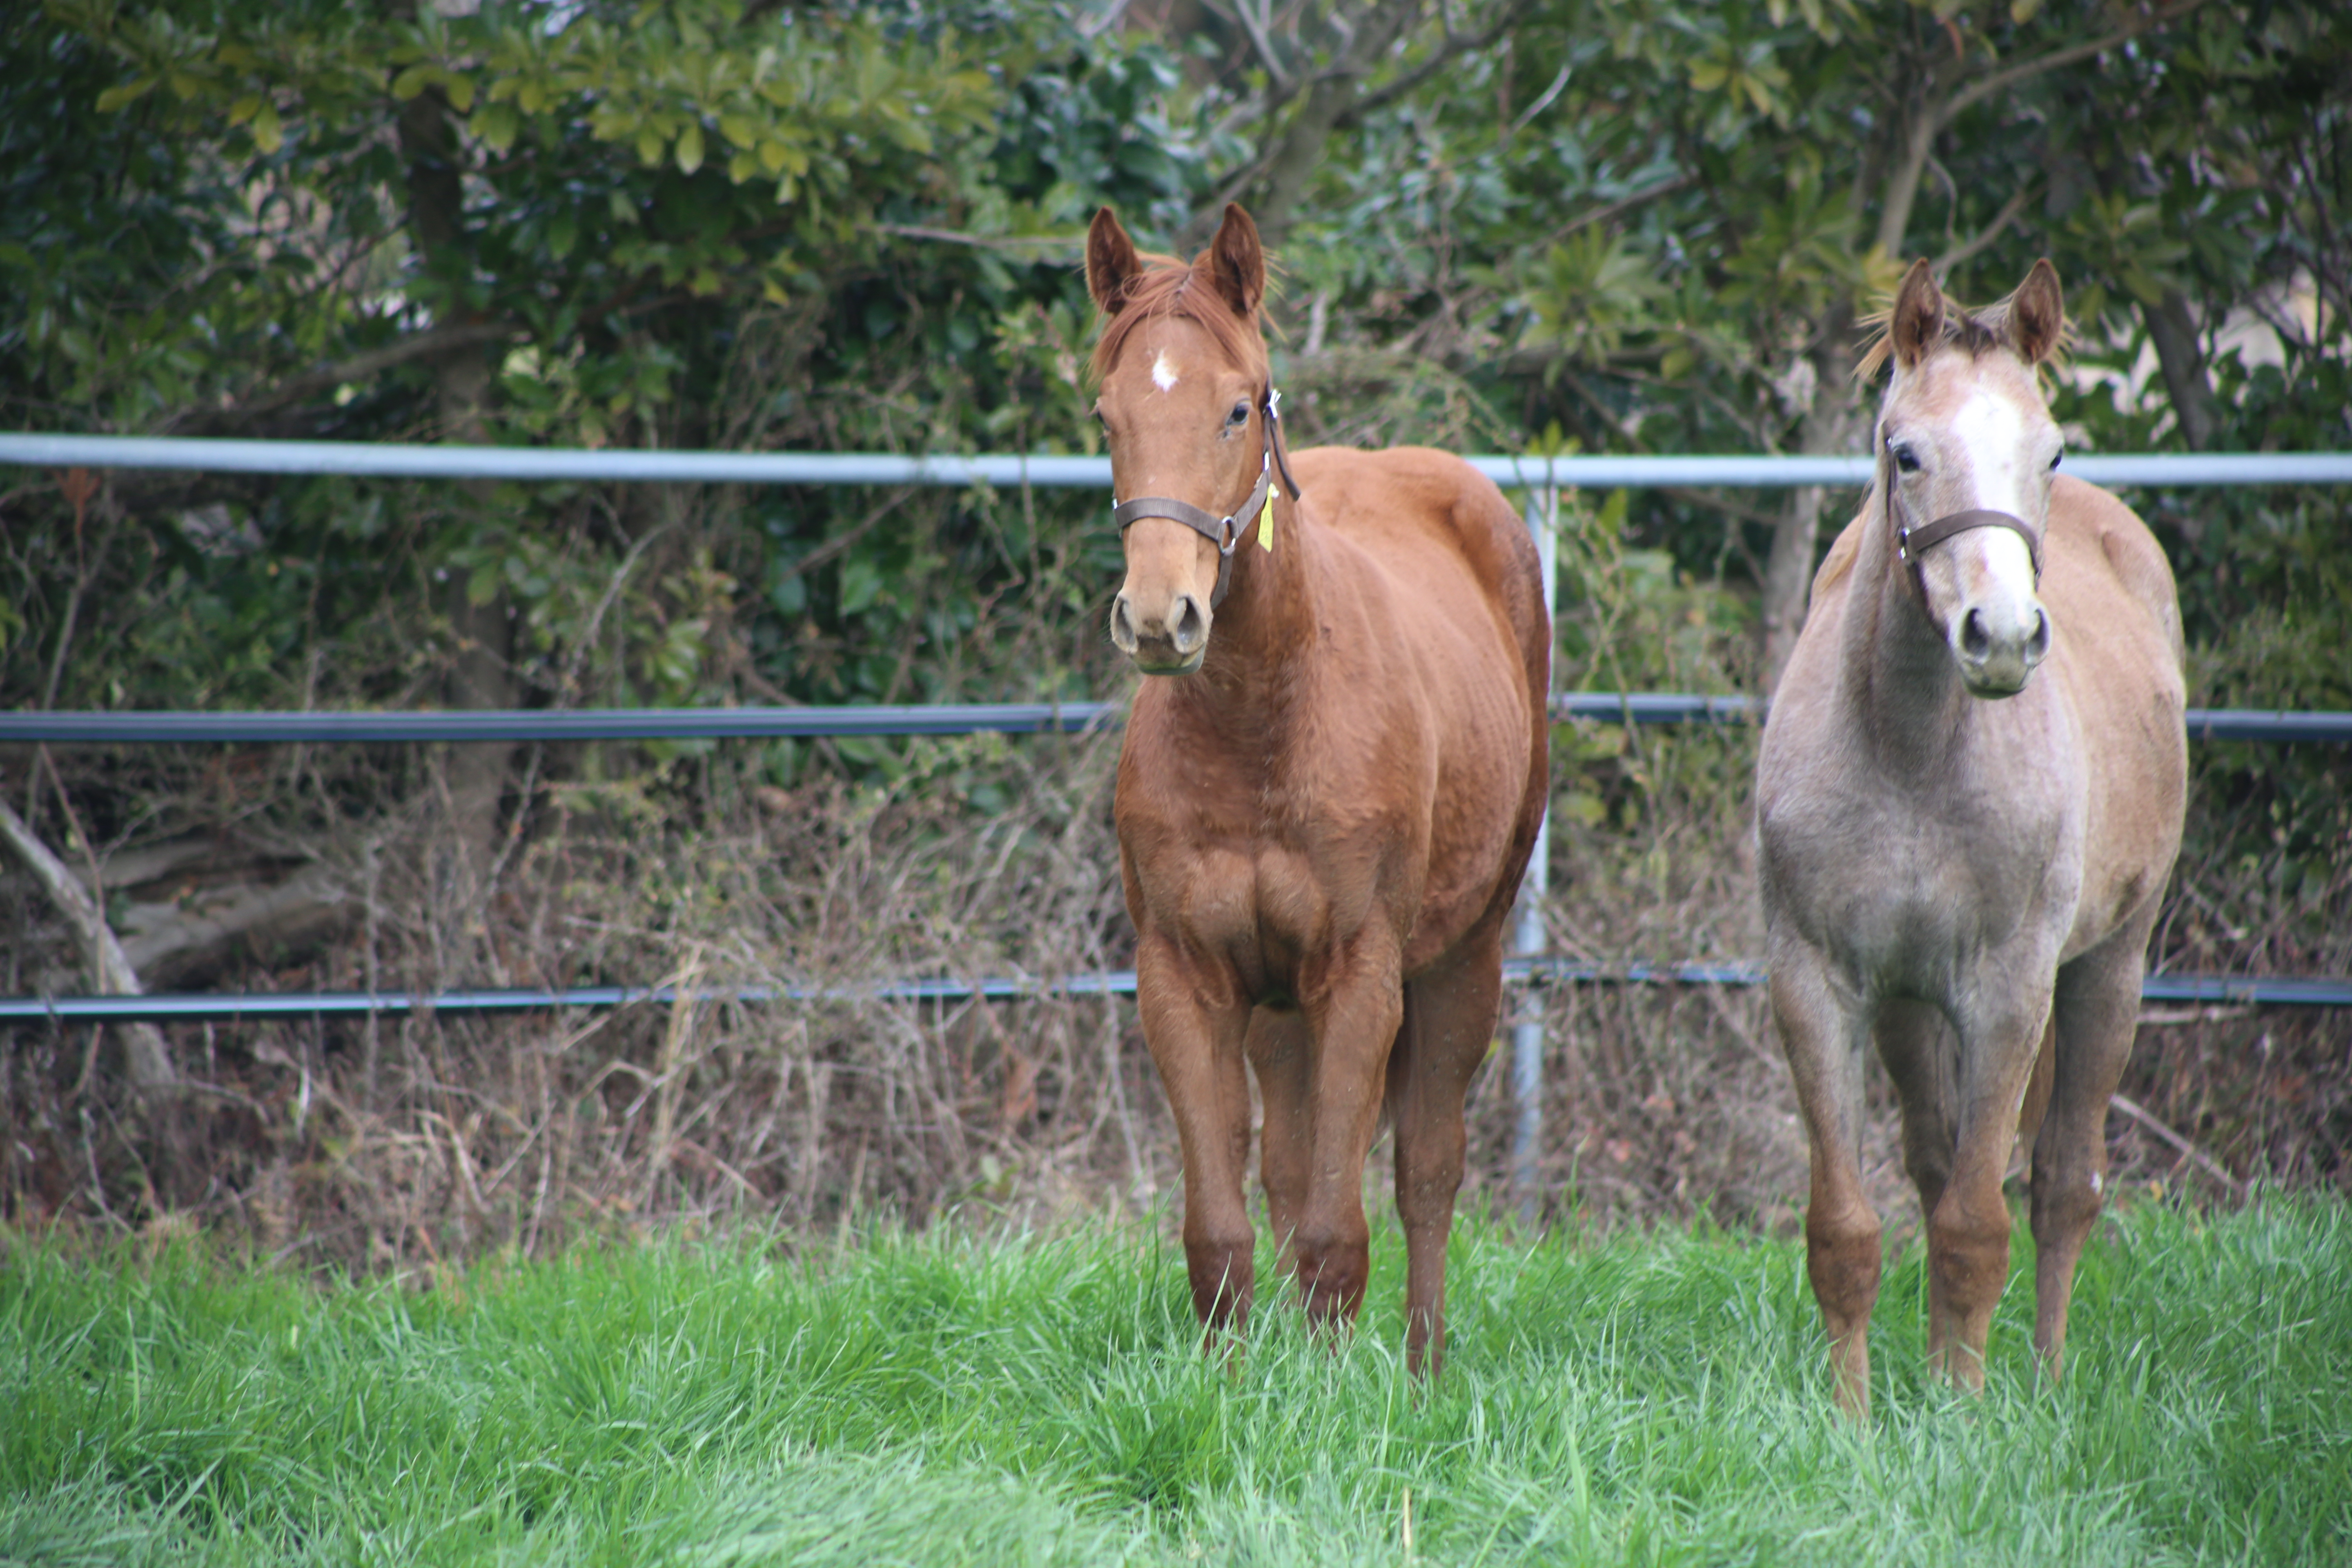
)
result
[(1402, 502), (2112, 553)]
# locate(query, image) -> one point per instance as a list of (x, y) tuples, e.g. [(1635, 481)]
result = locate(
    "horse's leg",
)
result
[(1449, 1023), (1197, 1045), (1282, 1052), (1968, 1232), (1354, 1016), (2098, 1005), (1824, 1033), (1917, 1045)]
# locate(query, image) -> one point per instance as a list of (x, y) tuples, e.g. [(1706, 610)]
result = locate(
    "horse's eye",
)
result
[(2058, 456), (1238, 417), (1905, 458)]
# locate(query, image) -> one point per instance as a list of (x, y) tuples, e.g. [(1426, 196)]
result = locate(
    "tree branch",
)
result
[(375, 361), (1625, 202), (1543, 101), (1455, 45), (149, 1061), (1239, 14), (2189, 1151), (1976, 91), (1991, 232)]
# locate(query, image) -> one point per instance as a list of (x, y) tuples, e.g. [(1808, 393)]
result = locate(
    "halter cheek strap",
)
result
[(1910, 544), (1224, 531)]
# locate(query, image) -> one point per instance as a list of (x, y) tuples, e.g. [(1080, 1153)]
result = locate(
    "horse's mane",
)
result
[(1168, 286), (1977, 331)]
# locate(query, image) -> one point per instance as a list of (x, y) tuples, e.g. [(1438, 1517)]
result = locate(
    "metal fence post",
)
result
[(1527, 941)]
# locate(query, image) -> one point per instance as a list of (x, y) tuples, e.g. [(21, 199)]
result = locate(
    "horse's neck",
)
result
[(1895, 672), (1264, 628)]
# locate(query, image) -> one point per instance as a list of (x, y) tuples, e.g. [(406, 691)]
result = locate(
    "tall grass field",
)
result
[(961, 1397)]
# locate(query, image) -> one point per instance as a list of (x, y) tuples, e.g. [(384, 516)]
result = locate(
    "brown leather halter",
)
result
[(1911, 543), (1223, 531)]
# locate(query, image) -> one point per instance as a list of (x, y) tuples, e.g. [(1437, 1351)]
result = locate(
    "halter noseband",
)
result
[(1223, 531), (1911, 543)]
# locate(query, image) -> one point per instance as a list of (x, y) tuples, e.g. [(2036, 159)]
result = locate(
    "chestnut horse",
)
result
[(1968, 801), (1327, 792)]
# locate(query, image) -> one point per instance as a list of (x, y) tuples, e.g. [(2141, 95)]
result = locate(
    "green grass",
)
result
[(955, 1398)]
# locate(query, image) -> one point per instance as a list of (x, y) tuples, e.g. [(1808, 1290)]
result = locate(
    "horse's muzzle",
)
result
[(1170, 643), (1996, 653)]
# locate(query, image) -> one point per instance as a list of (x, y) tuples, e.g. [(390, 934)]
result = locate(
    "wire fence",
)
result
[(1533, 474)]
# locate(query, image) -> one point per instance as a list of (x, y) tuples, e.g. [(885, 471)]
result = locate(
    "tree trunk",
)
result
[(481, 672), (2172, 328), (1291, 163), (1838, 417), (1829, 429)]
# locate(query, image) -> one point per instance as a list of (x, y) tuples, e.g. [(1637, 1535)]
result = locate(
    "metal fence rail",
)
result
[(2207, 990), (558, 464), (1541, 477), (153, 728)]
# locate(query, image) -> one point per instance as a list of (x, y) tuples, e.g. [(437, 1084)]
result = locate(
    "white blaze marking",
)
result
[(1163, 375), (1991, 431)]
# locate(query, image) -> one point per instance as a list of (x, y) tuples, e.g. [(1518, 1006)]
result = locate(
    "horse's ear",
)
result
[(2037, 313), (1111, 261), (1919, 321), (1237, 263)]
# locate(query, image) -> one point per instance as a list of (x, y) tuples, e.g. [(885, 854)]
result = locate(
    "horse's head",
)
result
[(1966, 454), (1182, 375)]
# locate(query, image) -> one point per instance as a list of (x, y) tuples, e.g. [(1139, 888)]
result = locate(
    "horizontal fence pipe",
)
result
[(565, 464), (561, 724), (2217, 990), (148, 728)]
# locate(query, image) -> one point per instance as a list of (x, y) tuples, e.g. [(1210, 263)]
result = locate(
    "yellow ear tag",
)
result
[(1265, 525)]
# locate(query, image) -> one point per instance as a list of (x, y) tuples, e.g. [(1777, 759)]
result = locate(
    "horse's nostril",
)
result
[(1191, 630), (1122, 626), (1973, 640), (2039, 643)]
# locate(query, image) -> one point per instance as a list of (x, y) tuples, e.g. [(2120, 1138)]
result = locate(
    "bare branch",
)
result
[(2189, 1151), (1070, 242), (1976, 91), (1526, 117), (1623, 204), (1455, 45), (375, 361), (1239, 14), (150, 1062), (1991, 232)]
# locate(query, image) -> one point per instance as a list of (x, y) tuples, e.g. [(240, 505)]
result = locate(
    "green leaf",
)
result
[(414, 80), (689, 147), (129, 92), (497, 125), (460, 90), (266, 134), (861, 583)]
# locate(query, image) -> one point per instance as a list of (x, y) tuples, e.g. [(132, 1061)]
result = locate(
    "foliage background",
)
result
[(1610, 225)]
